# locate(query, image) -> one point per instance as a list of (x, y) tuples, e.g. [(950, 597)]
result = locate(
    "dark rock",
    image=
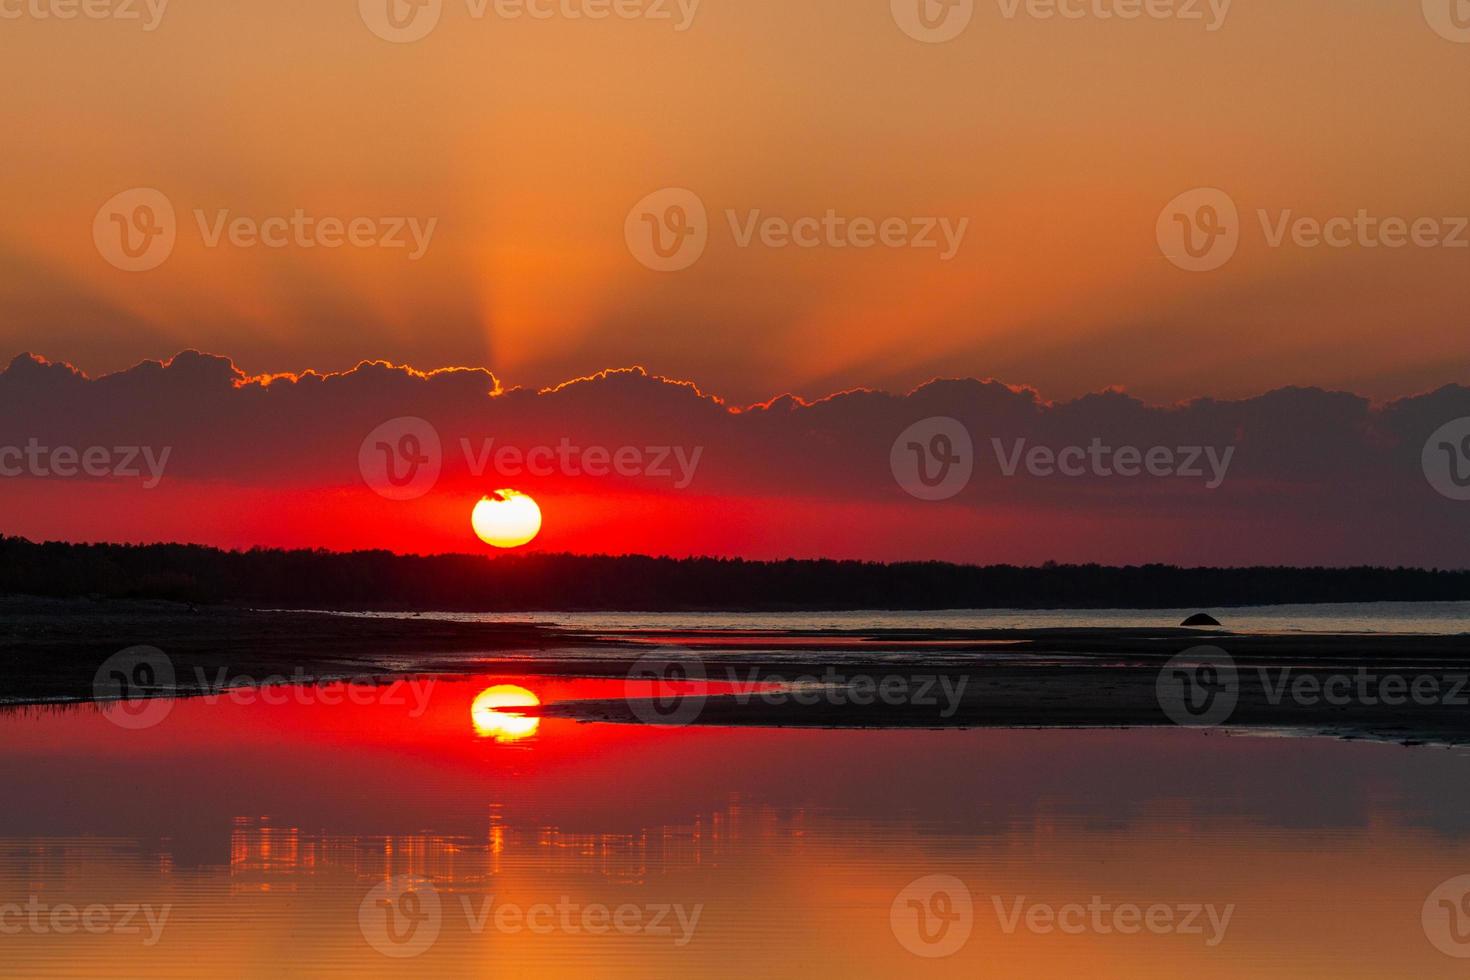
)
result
[(1201, 619)]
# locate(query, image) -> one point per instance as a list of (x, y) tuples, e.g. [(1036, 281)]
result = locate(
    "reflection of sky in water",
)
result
[(265, 826)]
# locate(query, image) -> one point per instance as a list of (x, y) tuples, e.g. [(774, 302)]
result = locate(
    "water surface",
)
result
[(1345, 617), (265, 828)]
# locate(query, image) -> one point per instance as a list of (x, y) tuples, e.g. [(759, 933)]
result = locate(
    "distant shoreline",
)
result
[(382, 581)]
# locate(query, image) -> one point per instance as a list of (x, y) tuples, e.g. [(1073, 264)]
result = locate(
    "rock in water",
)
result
[(1201, 619)]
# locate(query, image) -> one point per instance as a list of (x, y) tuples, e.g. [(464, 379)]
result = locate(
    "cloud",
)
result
[(1319, 475)]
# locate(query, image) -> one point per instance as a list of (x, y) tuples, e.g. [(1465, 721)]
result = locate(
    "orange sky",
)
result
[(528, 141)]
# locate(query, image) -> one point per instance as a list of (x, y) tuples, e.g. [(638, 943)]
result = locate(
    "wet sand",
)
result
[(52, 649), (1408, 688)]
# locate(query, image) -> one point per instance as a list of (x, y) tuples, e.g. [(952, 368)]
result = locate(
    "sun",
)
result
[(506, 519), (504, 726)]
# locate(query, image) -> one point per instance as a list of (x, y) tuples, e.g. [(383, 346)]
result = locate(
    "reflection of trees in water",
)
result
[(266, 857)]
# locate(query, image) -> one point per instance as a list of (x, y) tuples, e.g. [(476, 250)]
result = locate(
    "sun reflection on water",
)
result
[(504, 726)]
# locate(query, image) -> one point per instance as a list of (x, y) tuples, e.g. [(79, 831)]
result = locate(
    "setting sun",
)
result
[(503, 726), (506, 519)]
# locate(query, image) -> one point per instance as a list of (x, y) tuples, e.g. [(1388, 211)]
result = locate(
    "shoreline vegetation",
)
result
[(1034, 678), (388, 582)]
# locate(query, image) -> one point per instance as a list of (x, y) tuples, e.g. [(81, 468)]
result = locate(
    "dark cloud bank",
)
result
[(1323, 467)]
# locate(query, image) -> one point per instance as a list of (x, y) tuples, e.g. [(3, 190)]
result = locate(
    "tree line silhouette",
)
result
[(383, 580)]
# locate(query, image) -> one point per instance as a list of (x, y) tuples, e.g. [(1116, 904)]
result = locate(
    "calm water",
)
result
[(1382, 617), (270, 840)]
